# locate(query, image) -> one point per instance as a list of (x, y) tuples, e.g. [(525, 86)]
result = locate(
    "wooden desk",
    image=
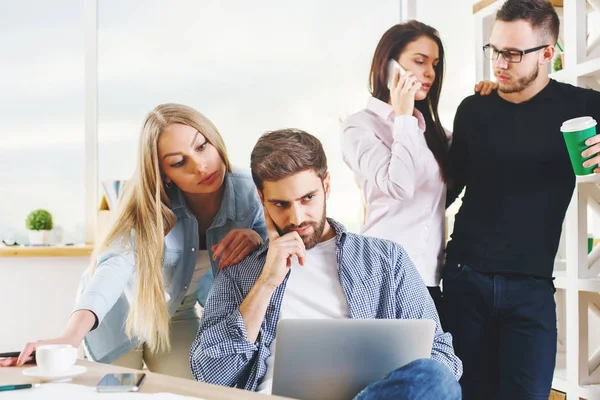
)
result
[(154, 383)]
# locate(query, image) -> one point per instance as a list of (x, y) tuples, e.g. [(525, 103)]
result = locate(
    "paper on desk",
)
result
[(70, 391)]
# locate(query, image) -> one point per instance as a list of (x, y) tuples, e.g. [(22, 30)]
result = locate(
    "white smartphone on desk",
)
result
[(128, 382), (391, 66)]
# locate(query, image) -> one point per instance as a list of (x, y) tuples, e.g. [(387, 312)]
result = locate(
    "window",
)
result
[(247, 68), (42, 116)]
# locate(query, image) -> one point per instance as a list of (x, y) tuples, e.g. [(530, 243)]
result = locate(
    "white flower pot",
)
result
[(39, 237)]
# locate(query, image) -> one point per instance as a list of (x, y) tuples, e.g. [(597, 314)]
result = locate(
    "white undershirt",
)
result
[(312, 291), (201, 268)]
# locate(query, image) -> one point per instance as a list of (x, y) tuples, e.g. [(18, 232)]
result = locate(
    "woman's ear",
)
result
[(166, 180)]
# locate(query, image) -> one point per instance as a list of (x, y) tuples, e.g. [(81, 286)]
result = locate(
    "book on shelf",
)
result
[(111, 193)]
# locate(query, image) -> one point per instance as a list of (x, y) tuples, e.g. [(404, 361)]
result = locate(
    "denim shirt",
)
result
[(109, 291)]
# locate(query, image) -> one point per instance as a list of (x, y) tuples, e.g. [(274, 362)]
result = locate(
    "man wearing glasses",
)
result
[(510, 155)]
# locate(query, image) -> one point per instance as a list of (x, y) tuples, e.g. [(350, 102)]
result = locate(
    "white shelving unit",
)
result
[(577, 274)]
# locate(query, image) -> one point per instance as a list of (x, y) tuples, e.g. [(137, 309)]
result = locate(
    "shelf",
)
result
[(583, 285), (589, 68), (560, 373), (560, 383), (560, 279), (46, 251), (589, 285), (480, 5), (591, 178), (590, 392), (486, 8)]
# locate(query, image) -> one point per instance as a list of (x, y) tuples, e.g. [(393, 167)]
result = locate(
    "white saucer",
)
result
[(46, 376)]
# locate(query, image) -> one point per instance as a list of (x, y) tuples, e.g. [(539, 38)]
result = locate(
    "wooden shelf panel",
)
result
[(589, 285), (589, 392), (484, 3), (560, 373), (561, 384), (591, 178), (560, 279), (47, 251), (591, 67)]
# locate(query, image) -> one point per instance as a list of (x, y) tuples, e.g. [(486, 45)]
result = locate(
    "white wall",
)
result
[(38, 294), (454, 22)]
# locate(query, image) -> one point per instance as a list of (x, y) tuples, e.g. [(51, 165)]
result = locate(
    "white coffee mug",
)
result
[(55, 358)]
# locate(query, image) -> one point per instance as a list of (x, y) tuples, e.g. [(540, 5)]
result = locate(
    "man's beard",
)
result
[(520, 84), (312, 239)]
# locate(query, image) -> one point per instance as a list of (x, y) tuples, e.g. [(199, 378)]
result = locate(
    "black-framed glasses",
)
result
[(510, 56)]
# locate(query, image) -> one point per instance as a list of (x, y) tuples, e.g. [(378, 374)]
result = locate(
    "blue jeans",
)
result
[(504, 331), (423, 379)]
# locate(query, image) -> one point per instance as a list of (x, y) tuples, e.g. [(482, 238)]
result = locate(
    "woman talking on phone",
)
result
[(398, 149), (185, 214)]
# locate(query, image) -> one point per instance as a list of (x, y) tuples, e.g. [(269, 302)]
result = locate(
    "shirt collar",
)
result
[(386, 112), (382, 109), (226, 210)]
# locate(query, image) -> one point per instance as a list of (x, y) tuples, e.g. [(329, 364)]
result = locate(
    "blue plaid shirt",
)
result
[(377, 276)]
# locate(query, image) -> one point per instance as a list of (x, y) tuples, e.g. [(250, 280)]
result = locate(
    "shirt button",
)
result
[(193, 249), (185, 288)]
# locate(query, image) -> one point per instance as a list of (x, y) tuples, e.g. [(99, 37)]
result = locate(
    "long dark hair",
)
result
[(392, 44)]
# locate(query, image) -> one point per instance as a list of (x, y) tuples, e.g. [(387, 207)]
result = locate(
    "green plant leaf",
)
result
[(557, 64), (39, 220)]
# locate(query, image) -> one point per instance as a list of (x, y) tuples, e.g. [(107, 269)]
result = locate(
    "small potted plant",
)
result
[(557, 63), (39, 223)]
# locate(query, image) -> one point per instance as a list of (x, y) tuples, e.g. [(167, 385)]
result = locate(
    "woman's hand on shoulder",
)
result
[(235, 246), (486, 87)]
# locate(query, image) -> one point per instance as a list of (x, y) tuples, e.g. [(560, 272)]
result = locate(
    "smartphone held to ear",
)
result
[(128, 382), (391, 67)]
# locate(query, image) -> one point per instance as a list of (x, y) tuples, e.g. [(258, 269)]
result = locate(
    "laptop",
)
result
[(331, 359)]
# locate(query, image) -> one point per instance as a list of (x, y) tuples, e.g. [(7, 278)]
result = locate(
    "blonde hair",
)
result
[(145, 212)]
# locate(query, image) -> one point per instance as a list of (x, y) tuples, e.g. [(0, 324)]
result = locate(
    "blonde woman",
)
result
[(185, 214)]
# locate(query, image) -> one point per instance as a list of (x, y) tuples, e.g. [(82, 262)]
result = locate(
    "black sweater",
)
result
[(514, 163)]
